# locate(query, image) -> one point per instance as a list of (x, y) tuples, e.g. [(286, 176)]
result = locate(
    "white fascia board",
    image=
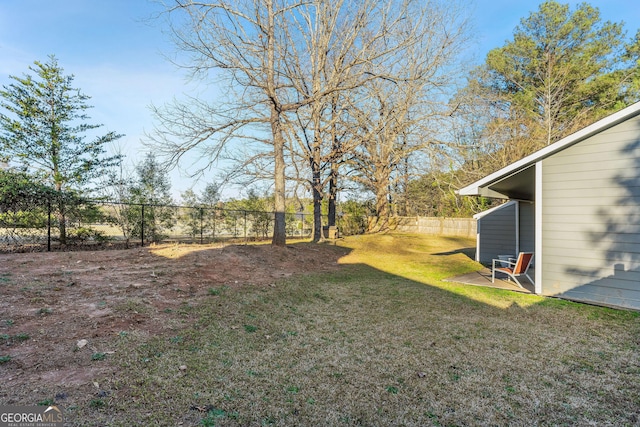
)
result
[(493, 209), (476, 189), (538, 230)]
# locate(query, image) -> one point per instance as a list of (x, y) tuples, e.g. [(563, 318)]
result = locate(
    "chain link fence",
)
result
[(99, 224)]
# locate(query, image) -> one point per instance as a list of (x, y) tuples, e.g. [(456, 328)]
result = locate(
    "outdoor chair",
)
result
[(513, 269)]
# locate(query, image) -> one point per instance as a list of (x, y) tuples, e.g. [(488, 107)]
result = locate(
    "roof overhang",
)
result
[(517, 181), (519, 185)]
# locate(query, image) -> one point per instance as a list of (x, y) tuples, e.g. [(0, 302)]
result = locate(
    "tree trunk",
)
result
[(279, 225), (333, 193), (333, 172), (382, 211), (317, 202), (316, 187), (62, 222), (382, 201)]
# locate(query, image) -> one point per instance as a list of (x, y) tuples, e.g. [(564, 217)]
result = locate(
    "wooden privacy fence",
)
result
[(464, 227)]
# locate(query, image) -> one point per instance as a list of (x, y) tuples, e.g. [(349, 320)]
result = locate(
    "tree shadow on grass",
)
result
[(468, 252)]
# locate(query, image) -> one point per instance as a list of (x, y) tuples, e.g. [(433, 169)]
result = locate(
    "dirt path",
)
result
[(50, 302)]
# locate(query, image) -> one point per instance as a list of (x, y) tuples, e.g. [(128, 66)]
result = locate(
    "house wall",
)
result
[(591, 219), (497, 234)]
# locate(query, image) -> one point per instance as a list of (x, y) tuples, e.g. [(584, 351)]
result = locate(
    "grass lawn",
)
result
[(381, 342)]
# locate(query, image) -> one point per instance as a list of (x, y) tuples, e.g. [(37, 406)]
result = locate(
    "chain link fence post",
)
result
[(49, 224), (245, 227), (142, 226), (201, 224)]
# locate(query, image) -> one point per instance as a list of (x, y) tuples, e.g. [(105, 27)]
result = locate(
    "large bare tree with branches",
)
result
[(342, 45), (290, 70), (355, 49), (243, 46)]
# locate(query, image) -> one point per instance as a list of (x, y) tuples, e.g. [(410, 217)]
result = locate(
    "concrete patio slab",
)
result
[(483, 278)]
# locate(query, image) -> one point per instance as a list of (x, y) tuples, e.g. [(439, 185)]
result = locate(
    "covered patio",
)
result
[(483, 278)]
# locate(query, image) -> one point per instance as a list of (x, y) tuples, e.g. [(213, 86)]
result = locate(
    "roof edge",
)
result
[(493, 209)]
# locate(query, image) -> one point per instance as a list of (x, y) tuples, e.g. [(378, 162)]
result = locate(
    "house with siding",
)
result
[(576, 205)]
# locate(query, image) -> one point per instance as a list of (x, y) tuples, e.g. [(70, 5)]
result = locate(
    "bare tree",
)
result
[(273, 56), (397, 117), (115, 187), (286, 67), (243, 44), (347, 46)]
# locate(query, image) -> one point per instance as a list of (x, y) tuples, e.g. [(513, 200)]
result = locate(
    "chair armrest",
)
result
[(502, 261)]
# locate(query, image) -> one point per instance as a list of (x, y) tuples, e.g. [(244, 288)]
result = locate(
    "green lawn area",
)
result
[(382, 342)]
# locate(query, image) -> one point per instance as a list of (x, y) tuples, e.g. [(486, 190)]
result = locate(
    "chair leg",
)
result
[(530, 279), (516, 280)]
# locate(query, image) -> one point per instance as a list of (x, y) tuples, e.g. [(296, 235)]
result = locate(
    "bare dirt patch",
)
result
[(52, 301)]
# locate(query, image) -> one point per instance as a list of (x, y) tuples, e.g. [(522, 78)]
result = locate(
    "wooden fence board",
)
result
[(465, 227)]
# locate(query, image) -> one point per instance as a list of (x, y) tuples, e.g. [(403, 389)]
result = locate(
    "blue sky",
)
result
[(116, 52)]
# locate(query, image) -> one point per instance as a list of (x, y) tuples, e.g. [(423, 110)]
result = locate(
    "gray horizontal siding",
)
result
[(572, 260), (497, 234), (598, 166), (596, 199), (579, 184), (575, 216), (622, 277), (563, 235), (591, 219)]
